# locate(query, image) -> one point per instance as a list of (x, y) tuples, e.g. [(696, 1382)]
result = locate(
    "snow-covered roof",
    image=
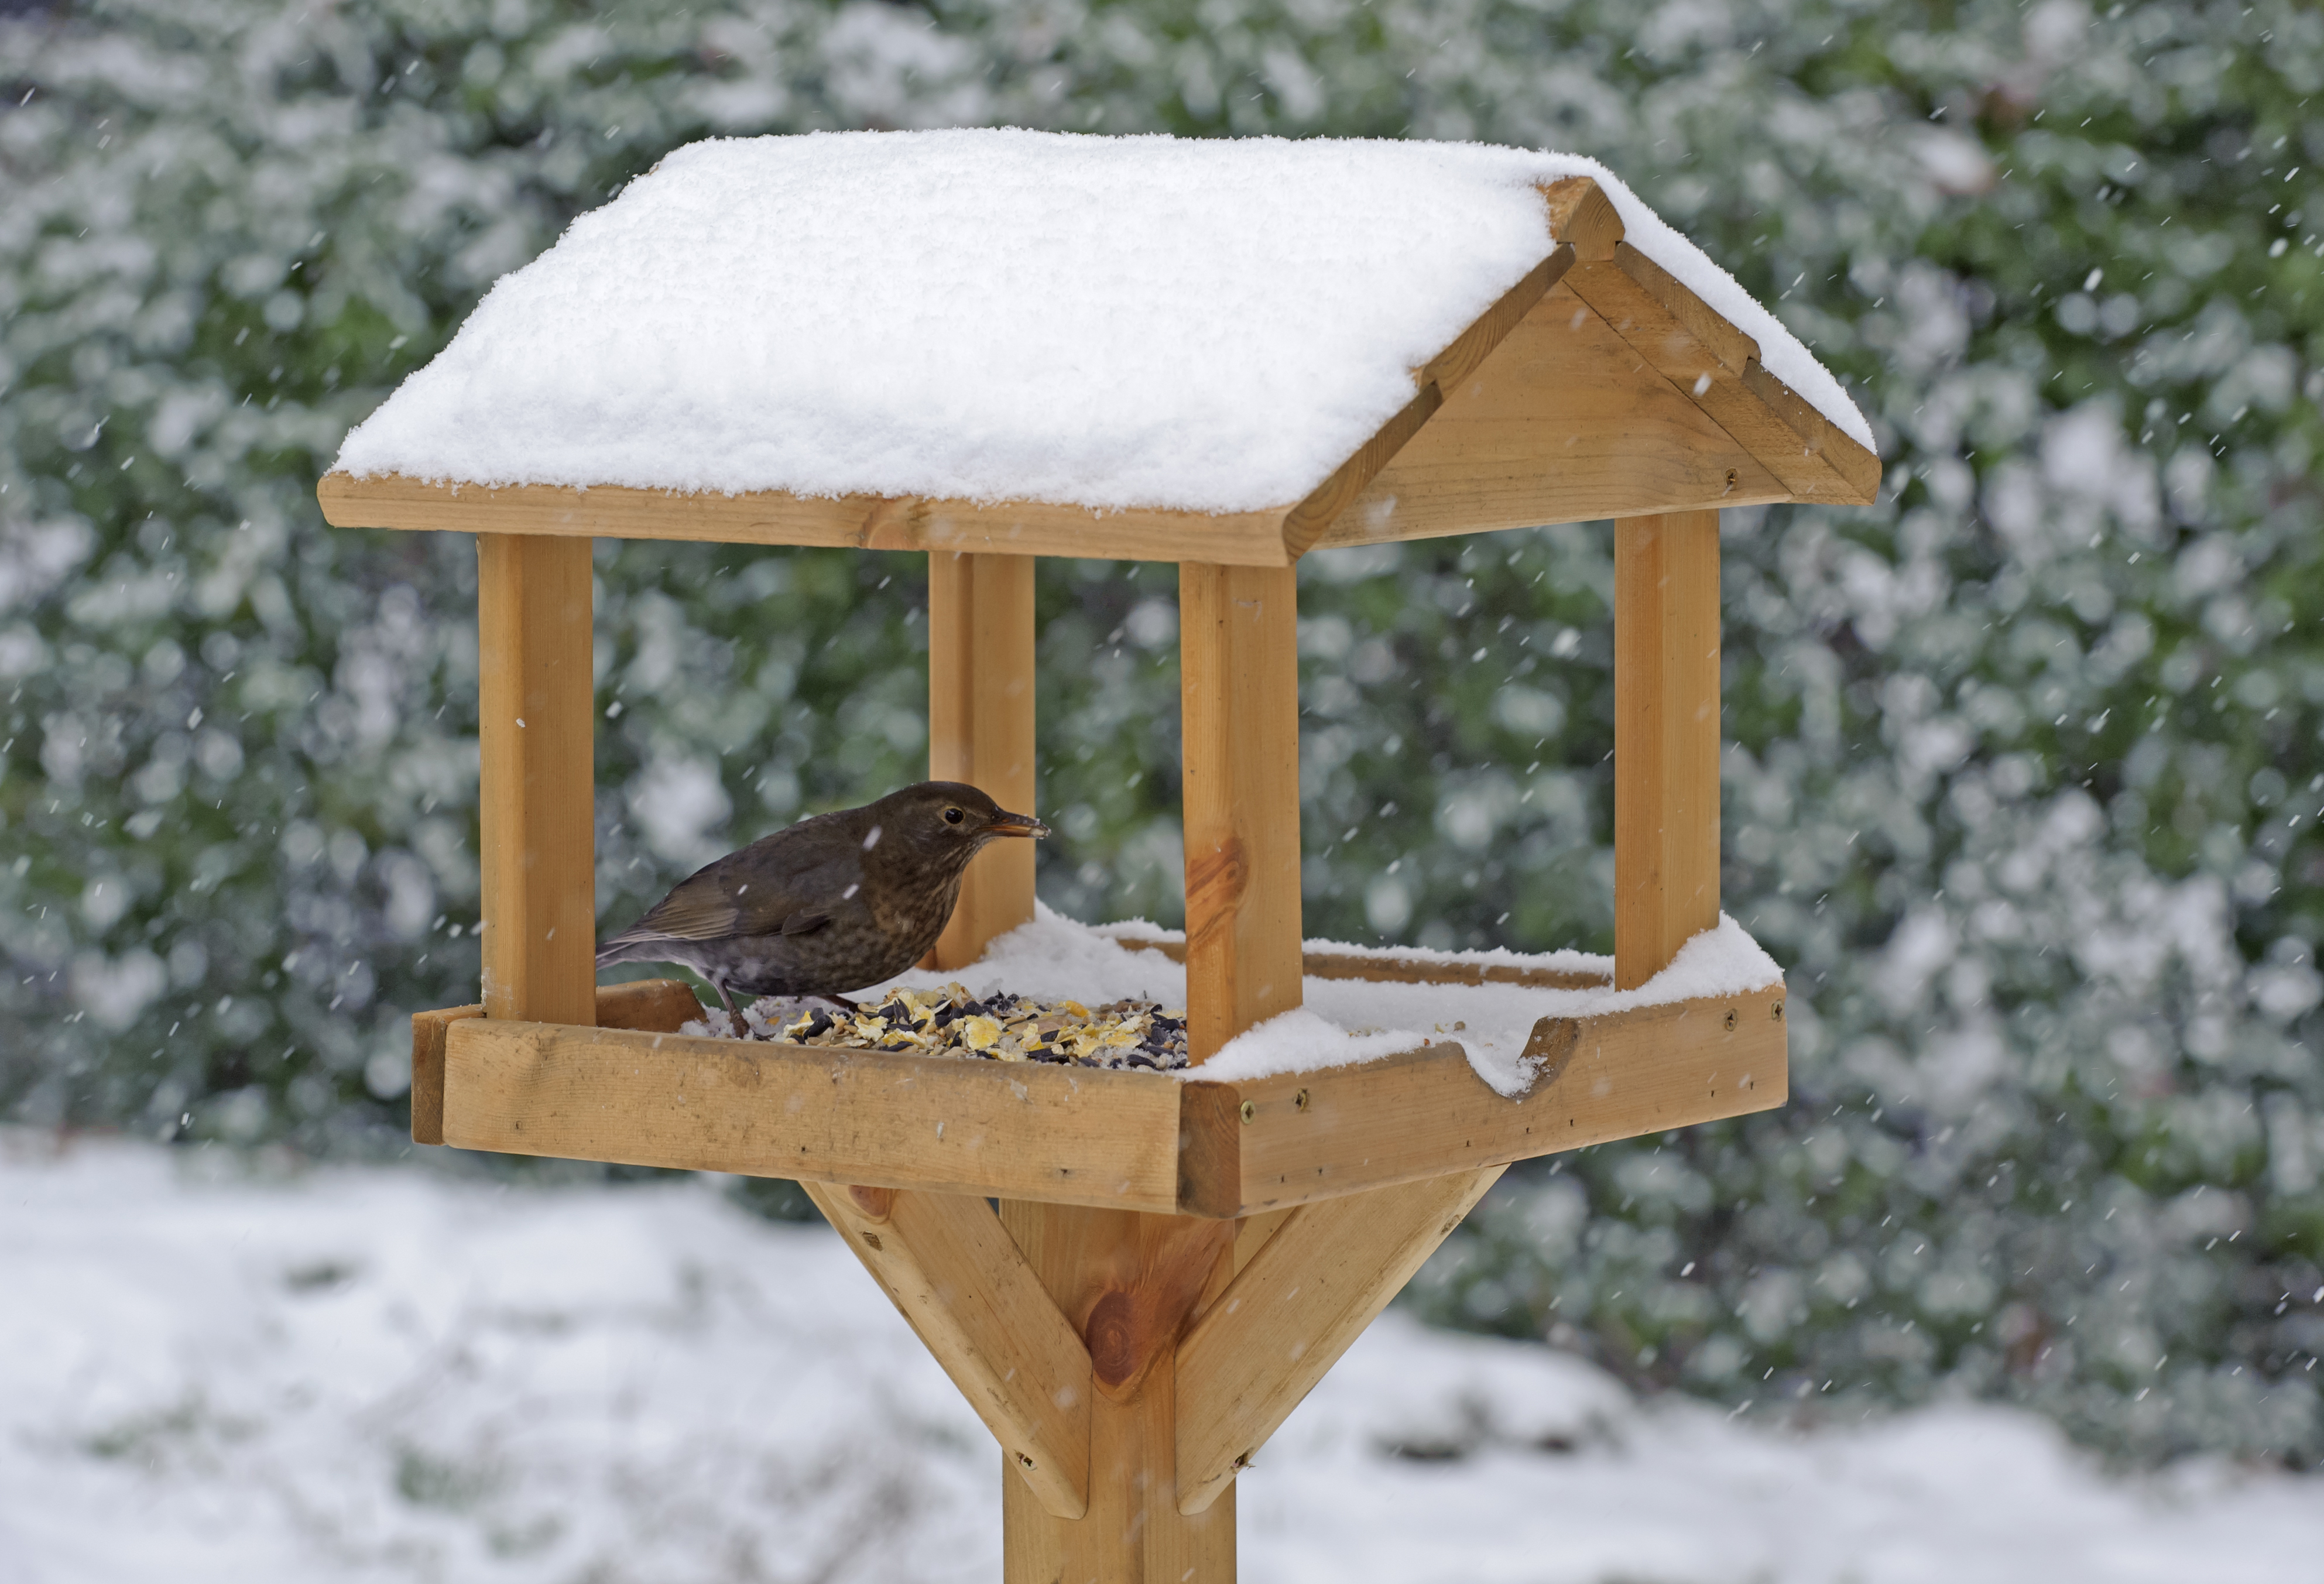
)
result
[(1205, 326)]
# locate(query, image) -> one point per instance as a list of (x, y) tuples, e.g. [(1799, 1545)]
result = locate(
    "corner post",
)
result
[(980, 640), (1239, 712), (1665, 738), (536, 816)]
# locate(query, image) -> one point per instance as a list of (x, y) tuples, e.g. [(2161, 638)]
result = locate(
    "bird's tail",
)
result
[(635, 946)]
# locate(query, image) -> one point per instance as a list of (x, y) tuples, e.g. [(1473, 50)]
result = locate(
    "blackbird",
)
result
[(832, 904)]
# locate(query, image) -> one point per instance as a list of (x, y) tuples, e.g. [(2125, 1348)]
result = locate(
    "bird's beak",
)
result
[(1016, 824)]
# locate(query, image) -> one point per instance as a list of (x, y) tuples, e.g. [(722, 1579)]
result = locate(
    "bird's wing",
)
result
[(777, 886)]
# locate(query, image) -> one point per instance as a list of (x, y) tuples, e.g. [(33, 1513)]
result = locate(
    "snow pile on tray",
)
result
[(1344, 1021), (1586, 964), (1203, 323), (1493, 1022), (374, 1375)]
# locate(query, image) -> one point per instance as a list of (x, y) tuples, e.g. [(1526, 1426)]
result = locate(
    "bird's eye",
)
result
[(953, 816)]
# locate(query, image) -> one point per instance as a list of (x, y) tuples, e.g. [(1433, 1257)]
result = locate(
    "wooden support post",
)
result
[(1128, 1282), (1238, 702), (980, 728), (1665, 738), (539, 778)]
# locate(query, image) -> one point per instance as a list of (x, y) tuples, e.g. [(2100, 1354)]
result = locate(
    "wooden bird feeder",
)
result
[(1175, 1263)]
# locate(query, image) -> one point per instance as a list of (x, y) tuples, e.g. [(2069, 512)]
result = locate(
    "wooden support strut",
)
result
[(945, 1262), (1665, 739), (536, 818), (1306, 1294), (980, 641)]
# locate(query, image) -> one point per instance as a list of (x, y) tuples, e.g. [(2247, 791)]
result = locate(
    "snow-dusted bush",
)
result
[(2025, 758)]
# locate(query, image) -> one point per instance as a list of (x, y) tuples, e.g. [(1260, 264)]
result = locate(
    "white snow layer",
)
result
[(1200, 324), (1344, 1021), (360, 1377)]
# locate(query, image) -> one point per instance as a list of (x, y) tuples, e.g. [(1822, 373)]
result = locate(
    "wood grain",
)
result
[(1084, 1136), (1562, 421), (1239, 712), (654, 1005), (1582, 217), (958, 1277), (1312, 1136), (1707, 360), (1096, 1265), (981, 637), (1731, 346), (1013, 528), (1665, 739), (536, 814), (1457, 360), (1859, 467), (1306, 1295), (1308, 519)]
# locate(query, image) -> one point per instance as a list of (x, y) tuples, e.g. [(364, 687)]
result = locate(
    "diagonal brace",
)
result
[(1308, 1293), (949, 1266)]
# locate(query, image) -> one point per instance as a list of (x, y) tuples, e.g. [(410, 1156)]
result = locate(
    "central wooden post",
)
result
[(536, 818), (1665, 739), (981, 639), (1126, 1283)]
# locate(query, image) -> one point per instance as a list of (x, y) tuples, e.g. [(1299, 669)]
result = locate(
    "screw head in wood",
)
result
[(1733, 478), (1731, 1020), (1778, 1011), (1023, 1461), (1250, 1110), (1300, 1099)]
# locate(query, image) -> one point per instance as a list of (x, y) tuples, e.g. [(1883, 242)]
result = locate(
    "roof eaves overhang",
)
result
[(776, 516)]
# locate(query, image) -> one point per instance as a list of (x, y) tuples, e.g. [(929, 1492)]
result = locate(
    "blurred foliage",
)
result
[(2024, 766)]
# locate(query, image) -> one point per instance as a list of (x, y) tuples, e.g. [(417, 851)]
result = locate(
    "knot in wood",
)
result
[(1215, 883), (1111, 1335)]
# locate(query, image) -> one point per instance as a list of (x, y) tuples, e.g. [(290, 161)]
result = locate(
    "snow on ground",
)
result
[(1211, 323), (391, 1375)]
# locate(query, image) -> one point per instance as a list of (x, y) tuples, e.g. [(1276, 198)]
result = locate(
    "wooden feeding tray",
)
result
[(1175, 1260), (635, 1091)]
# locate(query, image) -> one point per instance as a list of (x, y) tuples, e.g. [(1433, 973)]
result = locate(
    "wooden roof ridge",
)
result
[(1677, 339)]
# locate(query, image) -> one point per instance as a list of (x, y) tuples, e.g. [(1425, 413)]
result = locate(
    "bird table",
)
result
[(1494, 339)]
